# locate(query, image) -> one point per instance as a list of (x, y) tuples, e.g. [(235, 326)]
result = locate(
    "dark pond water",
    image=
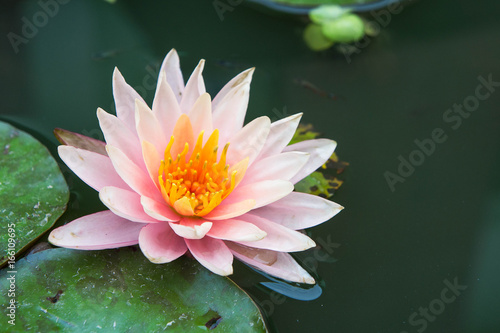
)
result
[(389, 258)]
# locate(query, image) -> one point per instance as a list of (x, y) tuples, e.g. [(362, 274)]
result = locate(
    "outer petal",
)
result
[(118, 135), (236, 230), (279, 238), (263, 193), (103, 230), (278, 264), (126, 204), (172, 69), (137, 179), (125, 97), (191, 228), (160, 244), (94, 169), (281, 166), (249, 141), (165, 105), (195, 87), (230, 104), (281, 133), (80, 141), (159, 210), (320, 150), (213, 254), (299, 211)]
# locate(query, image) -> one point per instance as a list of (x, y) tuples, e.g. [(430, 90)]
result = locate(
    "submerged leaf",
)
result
[(317, 184), (120, 290), (33, 192), (320, 182)]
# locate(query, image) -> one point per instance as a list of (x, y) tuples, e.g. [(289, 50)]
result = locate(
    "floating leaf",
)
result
[(323, 14), (323, 2), (120, 290), (33, 192), (314, 38)]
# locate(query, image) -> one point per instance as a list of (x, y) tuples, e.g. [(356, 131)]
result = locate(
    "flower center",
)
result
[(195, 183)]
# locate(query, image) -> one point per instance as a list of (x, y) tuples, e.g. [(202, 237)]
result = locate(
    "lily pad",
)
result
[(120, 290), (33, 192)]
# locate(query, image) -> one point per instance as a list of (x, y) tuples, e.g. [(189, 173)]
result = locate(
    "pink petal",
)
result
[(102, 230), (191, 228), (278, 264), (264, 192), (160, 244), (172, 69), (249, 141), (125, 97), (183, 133), (281, 166), (125, 204), (165, 105), (195, 87), (236, 230), (137, 179), (118, 135), (320, 151), (201, 116), (279, 238), (299, 211), (94, 169), (281, 133), (80, 141), (159, 210), (230, 104), (213, 254), (152, 160), (148, 127), (230, 210)]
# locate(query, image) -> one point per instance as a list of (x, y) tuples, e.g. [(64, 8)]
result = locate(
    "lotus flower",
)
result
[(187, 176)]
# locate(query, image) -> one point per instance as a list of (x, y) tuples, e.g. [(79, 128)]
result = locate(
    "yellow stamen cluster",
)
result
[(200, 178)]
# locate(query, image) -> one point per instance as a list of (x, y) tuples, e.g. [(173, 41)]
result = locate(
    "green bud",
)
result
[(314, 38), (346, 29), (325, 13)]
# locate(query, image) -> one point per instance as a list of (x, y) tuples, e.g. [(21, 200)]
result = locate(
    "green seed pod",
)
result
[(314, 38), (346, 29)]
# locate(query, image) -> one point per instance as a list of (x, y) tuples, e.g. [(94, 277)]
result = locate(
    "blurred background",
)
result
[(416, 248)]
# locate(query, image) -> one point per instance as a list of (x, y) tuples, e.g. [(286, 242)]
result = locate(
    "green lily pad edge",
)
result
[(120, 290), (33, 192)]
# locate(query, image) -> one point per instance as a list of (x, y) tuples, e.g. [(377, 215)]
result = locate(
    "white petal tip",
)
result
[(308, 280), (227, 271)]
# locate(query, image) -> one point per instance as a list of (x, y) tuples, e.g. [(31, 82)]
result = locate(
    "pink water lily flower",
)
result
[(187, 176)]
